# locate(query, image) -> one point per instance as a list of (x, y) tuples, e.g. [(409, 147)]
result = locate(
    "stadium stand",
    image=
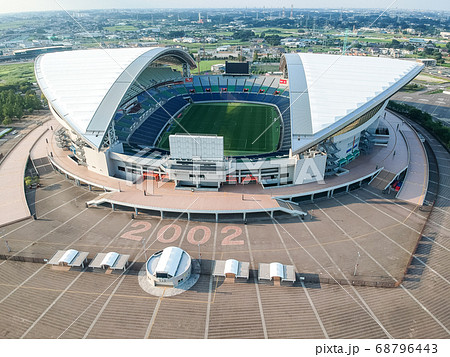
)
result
[(166, 95), (151, 77)]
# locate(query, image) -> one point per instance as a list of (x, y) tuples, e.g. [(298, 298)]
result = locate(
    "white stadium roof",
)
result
[(327, 92), (85, 87)]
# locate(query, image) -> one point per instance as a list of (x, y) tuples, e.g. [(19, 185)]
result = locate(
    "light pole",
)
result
[(6, 243), (357, 263)]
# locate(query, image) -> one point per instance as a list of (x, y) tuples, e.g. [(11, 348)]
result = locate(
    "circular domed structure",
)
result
[(169, 267)]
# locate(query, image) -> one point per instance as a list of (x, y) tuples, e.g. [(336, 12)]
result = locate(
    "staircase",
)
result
[(290, 207), (383, 180)]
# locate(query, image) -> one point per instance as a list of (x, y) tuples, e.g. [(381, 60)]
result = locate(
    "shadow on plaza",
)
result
[(419, 261)]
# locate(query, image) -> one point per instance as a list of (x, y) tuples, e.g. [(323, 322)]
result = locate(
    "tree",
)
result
[(273, 40), (8, 111), (175, 34), (243, 35), (395, 43), (28, 181), (429, 51), (18, 111)]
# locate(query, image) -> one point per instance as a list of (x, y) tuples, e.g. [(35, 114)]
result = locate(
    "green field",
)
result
[(239, 123), (11, 74)]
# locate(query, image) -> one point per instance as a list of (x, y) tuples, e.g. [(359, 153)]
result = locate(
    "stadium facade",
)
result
[(115, 105)]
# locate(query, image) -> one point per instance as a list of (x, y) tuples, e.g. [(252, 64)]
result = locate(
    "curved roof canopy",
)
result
[(68, 256), (276, 270), (85, 87), (327, 92), (173, 261), (231, 266), (110, 259)]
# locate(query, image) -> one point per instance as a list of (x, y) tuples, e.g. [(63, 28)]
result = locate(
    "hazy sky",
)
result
[(42, 5)]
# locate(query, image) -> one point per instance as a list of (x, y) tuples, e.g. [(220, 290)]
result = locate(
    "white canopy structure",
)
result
[(328, 92), (111, 260), (169, 261), (170, 266), (275, 271), (84, 88), (231, 267), (70, 257)]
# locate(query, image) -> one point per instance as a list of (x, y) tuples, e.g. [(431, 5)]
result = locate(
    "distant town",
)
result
[(212, 36)]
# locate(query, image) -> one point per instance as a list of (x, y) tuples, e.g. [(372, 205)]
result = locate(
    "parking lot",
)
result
[(37, 301)]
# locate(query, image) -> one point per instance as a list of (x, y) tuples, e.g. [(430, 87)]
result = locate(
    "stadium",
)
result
[(363, 262), (138, 113)]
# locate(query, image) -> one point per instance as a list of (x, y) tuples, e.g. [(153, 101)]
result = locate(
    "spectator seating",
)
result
[(162, 99)]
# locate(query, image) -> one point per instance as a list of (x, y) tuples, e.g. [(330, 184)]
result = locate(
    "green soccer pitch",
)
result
[(246, 128)]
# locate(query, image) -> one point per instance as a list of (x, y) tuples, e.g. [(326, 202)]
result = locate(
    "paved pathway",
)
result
[(230, 197), (13, 205), (415, 184)]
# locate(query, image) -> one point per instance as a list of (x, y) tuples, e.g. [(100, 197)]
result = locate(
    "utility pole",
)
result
[(7, 246)]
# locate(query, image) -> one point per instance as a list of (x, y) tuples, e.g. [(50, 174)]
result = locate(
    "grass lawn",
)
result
[(205, 66), (428, 78), (239, 123), (16, 73), (274, 31)]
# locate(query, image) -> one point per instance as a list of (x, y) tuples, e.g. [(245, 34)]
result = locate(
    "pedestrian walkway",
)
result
[(13, 205), (415, 184), (164, 197)]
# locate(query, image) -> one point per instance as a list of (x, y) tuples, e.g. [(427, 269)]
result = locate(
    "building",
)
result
[(69, 258), (116, 104), (427, 62), (35, 51), (276, 272), (220, 67), (231, 269), (169, 267)]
